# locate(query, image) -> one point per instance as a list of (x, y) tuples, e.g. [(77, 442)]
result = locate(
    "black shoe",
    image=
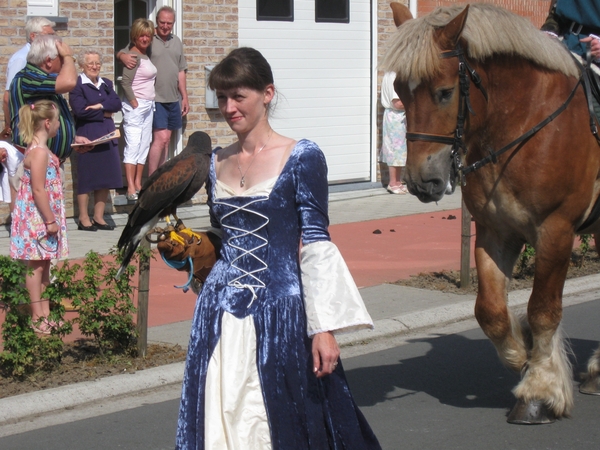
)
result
[(102, 226), (92, 227)]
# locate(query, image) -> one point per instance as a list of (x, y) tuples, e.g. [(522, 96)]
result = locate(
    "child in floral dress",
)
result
[(39, 228)]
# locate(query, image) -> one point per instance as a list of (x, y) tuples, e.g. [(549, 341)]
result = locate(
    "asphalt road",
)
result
[(444, 390)]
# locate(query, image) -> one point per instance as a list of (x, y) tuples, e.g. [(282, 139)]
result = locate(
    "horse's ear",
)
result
[(401, 13), (448, 36)]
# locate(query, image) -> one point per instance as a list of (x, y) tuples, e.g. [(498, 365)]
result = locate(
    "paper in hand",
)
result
[(107, 137)]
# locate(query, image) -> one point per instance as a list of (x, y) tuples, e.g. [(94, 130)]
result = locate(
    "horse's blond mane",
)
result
[(413, 54)]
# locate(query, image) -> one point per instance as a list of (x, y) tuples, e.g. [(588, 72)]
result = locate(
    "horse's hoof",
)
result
[(591, 386), (534, 412)]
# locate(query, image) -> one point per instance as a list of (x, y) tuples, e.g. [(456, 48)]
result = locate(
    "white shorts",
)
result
[(137, 125)]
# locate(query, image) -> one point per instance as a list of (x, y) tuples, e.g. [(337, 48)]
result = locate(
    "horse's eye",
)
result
[(444, 95)]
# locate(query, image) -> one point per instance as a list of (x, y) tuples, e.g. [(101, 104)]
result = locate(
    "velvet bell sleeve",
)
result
[(332, 300)]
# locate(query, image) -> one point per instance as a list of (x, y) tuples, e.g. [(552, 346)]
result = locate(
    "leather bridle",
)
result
[(465, 74)]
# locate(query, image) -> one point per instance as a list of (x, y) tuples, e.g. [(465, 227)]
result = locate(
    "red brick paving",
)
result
[(419, 243), (407, 245)]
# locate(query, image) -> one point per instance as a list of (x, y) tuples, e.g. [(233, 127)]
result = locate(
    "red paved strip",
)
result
[(407, 245), (418, 243)]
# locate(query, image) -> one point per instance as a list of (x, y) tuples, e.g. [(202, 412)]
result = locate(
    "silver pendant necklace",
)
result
[(243, 174)]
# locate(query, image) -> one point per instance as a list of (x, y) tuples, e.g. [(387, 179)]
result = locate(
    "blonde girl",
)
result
[(38, 231)]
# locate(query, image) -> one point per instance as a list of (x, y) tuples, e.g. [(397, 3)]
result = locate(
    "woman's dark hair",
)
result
[(242, 67)]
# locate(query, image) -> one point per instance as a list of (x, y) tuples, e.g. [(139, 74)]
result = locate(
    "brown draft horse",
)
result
[(472, 81)]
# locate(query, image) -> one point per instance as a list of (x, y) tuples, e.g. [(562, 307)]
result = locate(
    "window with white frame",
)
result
[(44, 8)]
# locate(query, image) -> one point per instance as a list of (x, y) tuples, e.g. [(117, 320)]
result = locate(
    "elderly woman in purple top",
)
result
[(93, 102)]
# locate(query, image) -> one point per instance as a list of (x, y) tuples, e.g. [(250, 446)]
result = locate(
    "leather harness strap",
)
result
[(589, 86), (464, 105), (493, 157)]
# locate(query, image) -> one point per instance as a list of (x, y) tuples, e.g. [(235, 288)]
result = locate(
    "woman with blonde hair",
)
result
[(39, 228), (138, 106)]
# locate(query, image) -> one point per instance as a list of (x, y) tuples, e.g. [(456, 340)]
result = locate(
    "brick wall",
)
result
[(209, 33)]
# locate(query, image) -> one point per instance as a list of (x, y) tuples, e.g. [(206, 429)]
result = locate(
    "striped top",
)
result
[(28, 86)]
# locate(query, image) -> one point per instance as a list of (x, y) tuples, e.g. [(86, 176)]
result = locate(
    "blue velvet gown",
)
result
[(258, 274)]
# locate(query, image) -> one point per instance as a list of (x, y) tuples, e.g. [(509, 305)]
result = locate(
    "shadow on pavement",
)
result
[(455, 370)]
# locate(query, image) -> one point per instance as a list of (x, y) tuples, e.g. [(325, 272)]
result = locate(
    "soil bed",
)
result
[(449, 280), (81, 362)]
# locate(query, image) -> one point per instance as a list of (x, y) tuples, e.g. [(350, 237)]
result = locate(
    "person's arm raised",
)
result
[(67, 77)]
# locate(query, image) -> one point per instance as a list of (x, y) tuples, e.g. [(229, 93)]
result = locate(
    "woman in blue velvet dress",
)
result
[(263, 368)]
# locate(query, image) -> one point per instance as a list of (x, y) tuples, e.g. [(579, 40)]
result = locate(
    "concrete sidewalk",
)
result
[(396, 310)]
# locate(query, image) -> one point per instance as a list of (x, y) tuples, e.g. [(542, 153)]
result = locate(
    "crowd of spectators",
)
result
[(42, 130), (45, 67)]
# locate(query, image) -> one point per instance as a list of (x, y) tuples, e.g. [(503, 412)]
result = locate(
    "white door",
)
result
[(323, 74)]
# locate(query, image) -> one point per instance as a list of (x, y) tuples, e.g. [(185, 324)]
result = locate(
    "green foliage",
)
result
[(584, 247), (24, 352), (106, 306), (526, 257), (105, 311), (143, 255), (526, 261)]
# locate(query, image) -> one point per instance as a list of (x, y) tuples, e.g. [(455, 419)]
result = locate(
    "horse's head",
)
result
[(431, 105), (431, 55)]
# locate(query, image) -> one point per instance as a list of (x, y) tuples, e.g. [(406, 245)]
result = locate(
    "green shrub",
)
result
[(106, 305), (24, 351), (584, 246), (105, 308), (526, 261), (526, 258)]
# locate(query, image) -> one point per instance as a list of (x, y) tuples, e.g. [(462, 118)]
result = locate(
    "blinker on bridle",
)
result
[(465, 74)]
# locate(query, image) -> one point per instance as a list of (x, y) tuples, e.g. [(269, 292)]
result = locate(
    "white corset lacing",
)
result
[(243, 251)]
